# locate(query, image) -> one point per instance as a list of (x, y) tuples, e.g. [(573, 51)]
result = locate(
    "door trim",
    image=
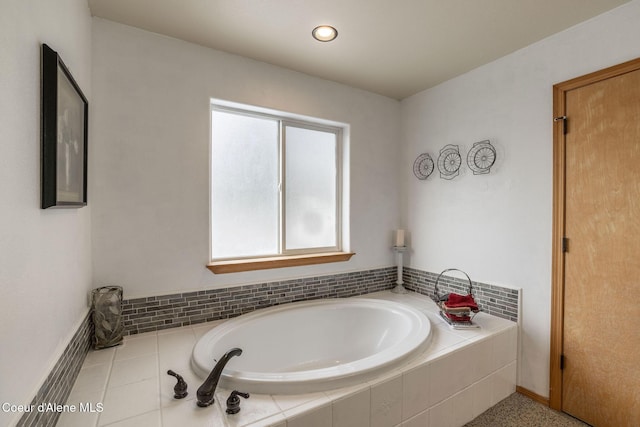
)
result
[(557, 255)]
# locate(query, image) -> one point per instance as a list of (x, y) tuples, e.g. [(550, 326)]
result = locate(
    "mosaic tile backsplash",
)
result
[(171, 311), (495, 300), (60, 380)]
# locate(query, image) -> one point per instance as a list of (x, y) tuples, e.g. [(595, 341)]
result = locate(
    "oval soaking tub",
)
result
[(313, 345)]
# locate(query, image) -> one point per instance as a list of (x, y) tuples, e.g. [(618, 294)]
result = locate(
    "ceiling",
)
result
[(394, 48)]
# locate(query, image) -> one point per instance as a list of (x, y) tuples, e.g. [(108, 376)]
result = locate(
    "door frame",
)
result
[(558, 230)]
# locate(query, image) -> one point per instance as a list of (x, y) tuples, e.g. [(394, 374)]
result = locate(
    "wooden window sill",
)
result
[(235, 266)]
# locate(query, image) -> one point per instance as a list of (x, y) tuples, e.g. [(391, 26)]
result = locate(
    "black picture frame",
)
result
[(65, 114)]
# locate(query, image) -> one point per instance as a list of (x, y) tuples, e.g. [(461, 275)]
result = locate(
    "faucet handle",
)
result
[(233, 402), (180, 389)]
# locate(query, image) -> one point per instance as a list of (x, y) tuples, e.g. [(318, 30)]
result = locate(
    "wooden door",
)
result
[(601, 310)]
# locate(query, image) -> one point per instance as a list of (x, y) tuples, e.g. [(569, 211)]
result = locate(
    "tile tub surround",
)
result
[(496, 300), (459, 376), (171, 311), (61, 379)]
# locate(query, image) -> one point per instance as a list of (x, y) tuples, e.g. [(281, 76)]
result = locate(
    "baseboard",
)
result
[(533, 396)]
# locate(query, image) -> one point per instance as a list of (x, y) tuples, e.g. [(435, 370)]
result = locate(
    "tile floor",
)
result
[(131, 383)]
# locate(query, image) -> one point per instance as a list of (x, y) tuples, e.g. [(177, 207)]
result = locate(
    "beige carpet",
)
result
[(518, 410)]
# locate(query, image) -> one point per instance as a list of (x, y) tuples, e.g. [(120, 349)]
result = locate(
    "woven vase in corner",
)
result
[(106, 303)]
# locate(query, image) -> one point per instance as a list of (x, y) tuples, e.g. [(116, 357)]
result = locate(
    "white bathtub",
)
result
[(313, 345)]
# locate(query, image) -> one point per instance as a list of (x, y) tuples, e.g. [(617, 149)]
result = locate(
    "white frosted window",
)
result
[(275, 184), (244, 185), (310, 183)]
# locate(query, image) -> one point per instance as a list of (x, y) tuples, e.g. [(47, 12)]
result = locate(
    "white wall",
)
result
[(45, 261), (497, 227), (150, 158)]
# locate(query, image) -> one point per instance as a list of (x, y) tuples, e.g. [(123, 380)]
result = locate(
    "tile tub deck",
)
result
[(461, 374)]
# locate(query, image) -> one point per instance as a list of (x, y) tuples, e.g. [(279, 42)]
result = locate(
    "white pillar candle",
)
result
[(399, 237)]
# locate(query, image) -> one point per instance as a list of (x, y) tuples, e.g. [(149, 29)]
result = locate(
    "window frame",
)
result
[(285, 257), (337, 132)]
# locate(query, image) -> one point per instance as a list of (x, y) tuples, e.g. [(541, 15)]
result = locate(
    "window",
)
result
[(276, 187)]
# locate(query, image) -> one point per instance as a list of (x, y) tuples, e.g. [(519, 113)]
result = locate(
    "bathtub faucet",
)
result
[(206, 392)]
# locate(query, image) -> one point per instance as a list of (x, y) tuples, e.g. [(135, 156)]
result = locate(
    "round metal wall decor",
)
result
[(449, 162), (423, 166), (481, 157)]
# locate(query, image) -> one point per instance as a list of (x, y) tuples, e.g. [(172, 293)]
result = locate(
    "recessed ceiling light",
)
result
[(324, 33)]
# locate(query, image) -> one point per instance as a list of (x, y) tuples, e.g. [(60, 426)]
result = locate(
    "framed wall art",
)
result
[(65, 113)]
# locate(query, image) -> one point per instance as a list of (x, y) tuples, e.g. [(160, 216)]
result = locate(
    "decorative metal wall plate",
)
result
[(423, 166), (481, 157), (449, 162)]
